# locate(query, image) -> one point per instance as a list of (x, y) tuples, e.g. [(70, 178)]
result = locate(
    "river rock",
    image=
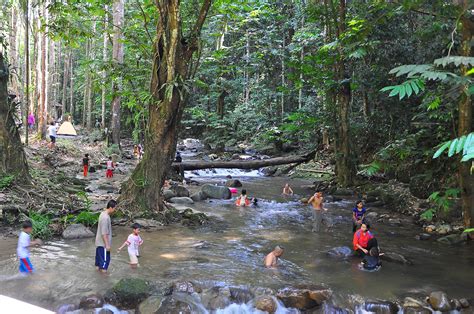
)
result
[(180, 191), (396, 258), (168, 194), (266, 304), (304, 200), (444, 229), (439, 301), (381, 307), (147, 223), (77, 231), (216, 298), (464, 303), (423, 236), (343, 192), (150, 305), (199, 196), (185, 287), (216, 192), (371, 215), (340, 252), (395, 221), (430, 228), (181, 200), (451, 239), (91, 302), (456, 304), (416, 310), (240, 295), (171, 305), (303, 299), (65, 308), (234, 183), (128, 293)]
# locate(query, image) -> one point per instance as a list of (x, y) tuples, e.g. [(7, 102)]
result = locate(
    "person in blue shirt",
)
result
[(358, 216)]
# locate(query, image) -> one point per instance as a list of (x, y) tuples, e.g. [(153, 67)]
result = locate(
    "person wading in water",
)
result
[(317, 202)]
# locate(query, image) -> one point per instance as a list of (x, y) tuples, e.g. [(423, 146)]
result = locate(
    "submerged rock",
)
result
[(444, 229), (171, 305), (216, 192), (233, 183), (216, 298), (396, 258), (77, 231), (168, 194), (340, 252), (266, 304), (181, 200), (439, 301), (381, 307), (65, 308), (150, 305), (199, 196), (180, 191), (304, 298), (451, 239), (464, 303), (147, 223), (91, 302), (128, 293)]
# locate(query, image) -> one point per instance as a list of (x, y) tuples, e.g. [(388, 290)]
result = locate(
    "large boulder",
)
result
[(150, 305), (304, 298), (381, 307), (180, 191), (444, 229), (181, 200), (77, 231), (216, 298), (340, 252), (216, 192), (91, 302), (266, 304), (147, 223), (171, 305), (451, 239), (233, 183), (199, 196), (439, 301), (396, 258), (128, 293), (190, 218), (168, 194)]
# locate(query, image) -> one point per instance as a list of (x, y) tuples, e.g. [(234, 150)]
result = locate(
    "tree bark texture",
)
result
[(117, 57), (172, 66)]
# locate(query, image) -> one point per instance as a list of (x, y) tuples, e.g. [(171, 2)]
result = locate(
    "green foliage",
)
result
[(87, 218), (469, 230), (6, 181), (41, 224), (85, 199), (464, 144), (113, 149), (371, 169), (407, 88), (443, 202)]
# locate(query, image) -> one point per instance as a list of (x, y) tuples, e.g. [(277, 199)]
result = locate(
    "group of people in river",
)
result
[(364, 243)]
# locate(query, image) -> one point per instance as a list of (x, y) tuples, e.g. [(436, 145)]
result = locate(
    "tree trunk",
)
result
[(86, 88), (221, 103), (71, 88), (300, 89), (246, 70), (43, 103), (117, 56), (345, 169), (27, 67), (466, 180), (244, 164), (13, 52), (65, 82), (172, 64), (104, 72), (50, 80), (12, 156), (90, 95), (282, 74)]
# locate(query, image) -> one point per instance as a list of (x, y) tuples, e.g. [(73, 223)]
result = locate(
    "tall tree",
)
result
[(65, 82), (172, 67), (117, 57), (27, 110), (104, 71), (12, 156)]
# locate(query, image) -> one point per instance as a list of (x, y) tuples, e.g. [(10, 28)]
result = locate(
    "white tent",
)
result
[(67, 129)]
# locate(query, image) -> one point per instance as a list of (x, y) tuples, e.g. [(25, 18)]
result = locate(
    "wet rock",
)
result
[(304, 200), (269, 171), (464, 303), (185, 287), (395, 221), (430, 228), (199, 196), (444, 229), (216, 192), (303, 299), (266, 304), (91, 302), (416, 310), (412, 302), (239, 295), (340, 252), (343, 192), (396, 258), (451, 239), (216, 298), (147, 223), (439, 301), (371, 215), (181, 200), (150, 305), (191, 218), (233, 183), (423, 236), (77, 231), (128, 293), (168, 194), (180, 191), (65, 308), (171, 305), (105, 311), (381, 307), (456, 304)]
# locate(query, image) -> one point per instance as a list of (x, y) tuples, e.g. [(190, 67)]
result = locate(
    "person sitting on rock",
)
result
[(372, 260), (271, 259), (287, 190), (243, 200), (358, 216), (363, 240)]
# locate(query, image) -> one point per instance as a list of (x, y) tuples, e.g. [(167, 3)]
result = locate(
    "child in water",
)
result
[(85, 164), (372, 260), (23, 248), (243, 200), (109, 173), (134, 241)]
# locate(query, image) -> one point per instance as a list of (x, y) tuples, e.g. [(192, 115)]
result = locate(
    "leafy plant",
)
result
[(113, 149), (370, 169), (464, 144), (442, 201), (87, 218), (87, 202), (41, 224), (6, 181)]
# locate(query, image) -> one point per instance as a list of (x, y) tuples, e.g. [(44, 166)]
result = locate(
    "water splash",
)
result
[(206, 173)]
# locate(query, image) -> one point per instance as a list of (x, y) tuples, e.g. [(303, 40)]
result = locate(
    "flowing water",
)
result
[(231, 253)]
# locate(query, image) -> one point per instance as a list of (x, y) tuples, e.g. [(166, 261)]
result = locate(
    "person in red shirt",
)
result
[(364, 240)]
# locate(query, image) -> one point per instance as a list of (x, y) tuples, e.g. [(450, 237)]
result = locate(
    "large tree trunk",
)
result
[(26, 9), (43, 102), (243, 164), (71, 88), (466, 179), (13, 52), (90, 95), (104, 72), (65, 82), (86, 88), (12, 156), (345, 169), (117, 56), (172, 66), (221, 103)]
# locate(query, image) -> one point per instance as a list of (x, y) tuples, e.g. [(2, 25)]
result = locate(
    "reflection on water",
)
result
[(232, 253)]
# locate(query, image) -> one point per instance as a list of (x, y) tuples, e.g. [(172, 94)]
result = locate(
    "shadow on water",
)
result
[(232, 253)]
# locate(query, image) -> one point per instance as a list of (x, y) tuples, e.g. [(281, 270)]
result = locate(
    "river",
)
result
[(231, 253)]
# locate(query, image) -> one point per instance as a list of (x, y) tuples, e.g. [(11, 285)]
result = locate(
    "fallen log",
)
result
[(243, 164)]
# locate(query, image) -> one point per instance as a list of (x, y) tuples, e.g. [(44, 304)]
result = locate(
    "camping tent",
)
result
[(67, 129)]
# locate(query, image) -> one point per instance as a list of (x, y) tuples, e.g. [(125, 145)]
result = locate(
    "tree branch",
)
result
[(201, 18)]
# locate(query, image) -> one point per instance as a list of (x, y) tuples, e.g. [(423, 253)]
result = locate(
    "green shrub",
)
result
[(6, 181), (113, 149), (41, 224), (87, 218), (83, 197)]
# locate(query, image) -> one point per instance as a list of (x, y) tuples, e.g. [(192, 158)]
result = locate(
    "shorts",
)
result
[(102, 258), (133, 258), (26, 266), (53, 139)]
